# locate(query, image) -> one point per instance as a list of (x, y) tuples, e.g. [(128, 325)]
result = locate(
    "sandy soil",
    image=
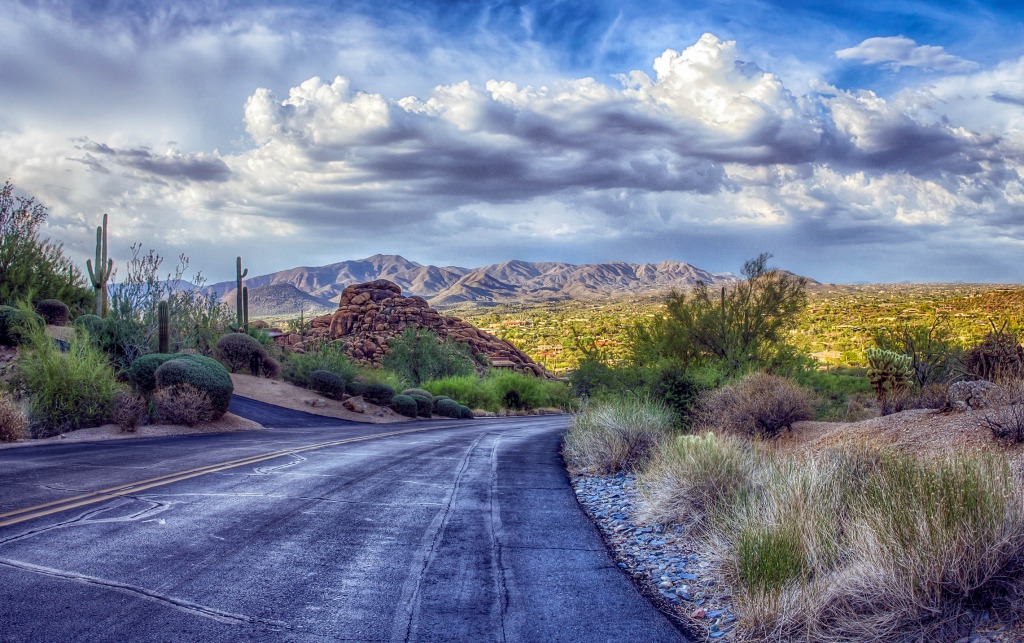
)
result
[(300, 399)]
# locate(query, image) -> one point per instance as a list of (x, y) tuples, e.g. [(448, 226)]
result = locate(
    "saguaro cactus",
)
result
[(245, 309), (163, 314), (101, 273), (240, 305)]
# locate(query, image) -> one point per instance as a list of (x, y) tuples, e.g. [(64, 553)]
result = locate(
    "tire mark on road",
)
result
[(494, 528), (405, 619), (141, 592)]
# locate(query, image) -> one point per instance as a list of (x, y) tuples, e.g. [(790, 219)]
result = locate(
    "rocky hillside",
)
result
[(282, 299), (370, 314), (508, 281)]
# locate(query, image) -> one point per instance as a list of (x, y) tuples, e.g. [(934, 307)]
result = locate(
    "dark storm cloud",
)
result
[(171, 165)]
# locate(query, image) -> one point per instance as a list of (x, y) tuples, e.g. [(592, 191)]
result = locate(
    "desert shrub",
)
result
[(92, 324), (68, 390), (466, 389), (32, 265), (519, 391), (378, 393), (54, 312), (998, 356), (239, 351), (932, 350), (204, 373), (405, 405), (595, 379), (680, 388), (129, 411), (696, 478), (466, 413), (419, 355), (327, 383), (740, 327), (1006, 421), (760, 404), (420, 392), (448, 408), (424, 406), (322, 355), (270, 368), (619, 435), (13, 423), (142, 372), (437, 398), (183, 404), (15, 325), (355, 387)]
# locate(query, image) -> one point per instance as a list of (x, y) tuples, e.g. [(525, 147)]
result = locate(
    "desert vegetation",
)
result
[(824, 541)]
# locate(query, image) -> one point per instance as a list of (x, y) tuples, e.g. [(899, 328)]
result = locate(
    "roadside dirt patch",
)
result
[(298, 399)]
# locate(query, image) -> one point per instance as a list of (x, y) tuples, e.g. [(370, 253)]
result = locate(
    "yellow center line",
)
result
[(92, 497)]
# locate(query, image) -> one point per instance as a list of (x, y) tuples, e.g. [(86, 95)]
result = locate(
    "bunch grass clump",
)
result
[(616, 435), (184, 404), (13, 423)]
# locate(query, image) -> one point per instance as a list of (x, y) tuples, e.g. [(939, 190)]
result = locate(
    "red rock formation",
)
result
[(370, 314)]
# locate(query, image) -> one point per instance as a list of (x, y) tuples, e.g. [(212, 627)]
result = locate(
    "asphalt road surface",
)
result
[(321, 531)]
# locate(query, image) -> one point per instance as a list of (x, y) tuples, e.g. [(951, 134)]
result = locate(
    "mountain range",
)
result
[(317, 288)]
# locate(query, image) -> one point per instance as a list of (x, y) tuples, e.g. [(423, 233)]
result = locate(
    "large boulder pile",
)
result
[(370, 314)]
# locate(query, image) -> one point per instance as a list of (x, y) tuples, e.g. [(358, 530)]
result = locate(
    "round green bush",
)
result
[(423, 406), (54, 312), (466, 413), (378, 393), (404, 405), (14, 325), (448, 408), (239, 351), (204, 373), (92, 324), (142, 372), (418, 391), (327, 383), (437, 399), (355, 388)]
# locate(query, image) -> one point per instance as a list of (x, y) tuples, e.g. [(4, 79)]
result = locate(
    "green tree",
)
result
[(742, 327), (418, 355), (33, 267)]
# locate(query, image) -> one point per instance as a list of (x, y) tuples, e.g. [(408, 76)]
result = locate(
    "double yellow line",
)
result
[(57, 506)]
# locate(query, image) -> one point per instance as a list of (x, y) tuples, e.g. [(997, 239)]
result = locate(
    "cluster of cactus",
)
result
[(100, 274), (889, 372), (163, 315), (241, 299)]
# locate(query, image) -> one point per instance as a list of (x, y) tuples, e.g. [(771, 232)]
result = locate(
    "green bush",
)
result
[(438, 398), (15, 325), (448, 408), (680, 388), (355, 387), (204, 373), (405, 405), (466, 413), (238, 351), (66, 391), (378, 393), (761, 404), (418, 355), (91, 324), (323, 355), (327, 383), (420, 392), (142, 373), (54, 312), (466, 389), (618, 435), (424, 406), (523, 392)]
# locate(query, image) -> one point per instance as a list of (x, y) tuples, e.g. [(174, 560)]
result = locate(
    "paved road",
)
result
[(467, 531)]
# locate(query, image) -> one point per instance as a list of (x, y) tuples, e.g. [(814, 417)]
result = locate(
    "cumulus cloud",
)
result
[(895, 52)]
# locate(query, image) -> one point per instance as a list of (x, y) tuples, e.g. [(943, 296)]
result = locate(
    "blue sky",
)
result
[(856, 141)]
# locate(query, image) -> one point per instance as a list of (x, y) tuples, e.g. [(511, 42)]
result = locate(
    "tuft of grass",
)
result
[(13, 423), (616, 435), (697, 477)]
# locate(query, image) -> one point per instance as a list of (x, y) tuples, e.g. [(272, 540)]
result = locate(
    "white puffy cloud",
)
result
[(894, 52)]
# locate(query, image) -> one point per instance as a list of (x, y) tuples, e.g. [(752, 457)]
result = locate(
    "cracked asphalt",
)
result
[(467, 531)]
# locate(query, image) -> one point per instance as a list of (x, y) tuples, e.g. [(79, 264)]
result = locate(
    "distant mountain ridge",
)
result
[(447, 286)]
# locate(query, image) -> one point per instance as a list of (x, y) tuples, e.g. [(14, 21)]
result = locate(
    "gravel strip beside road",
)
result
[(662, 562)]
